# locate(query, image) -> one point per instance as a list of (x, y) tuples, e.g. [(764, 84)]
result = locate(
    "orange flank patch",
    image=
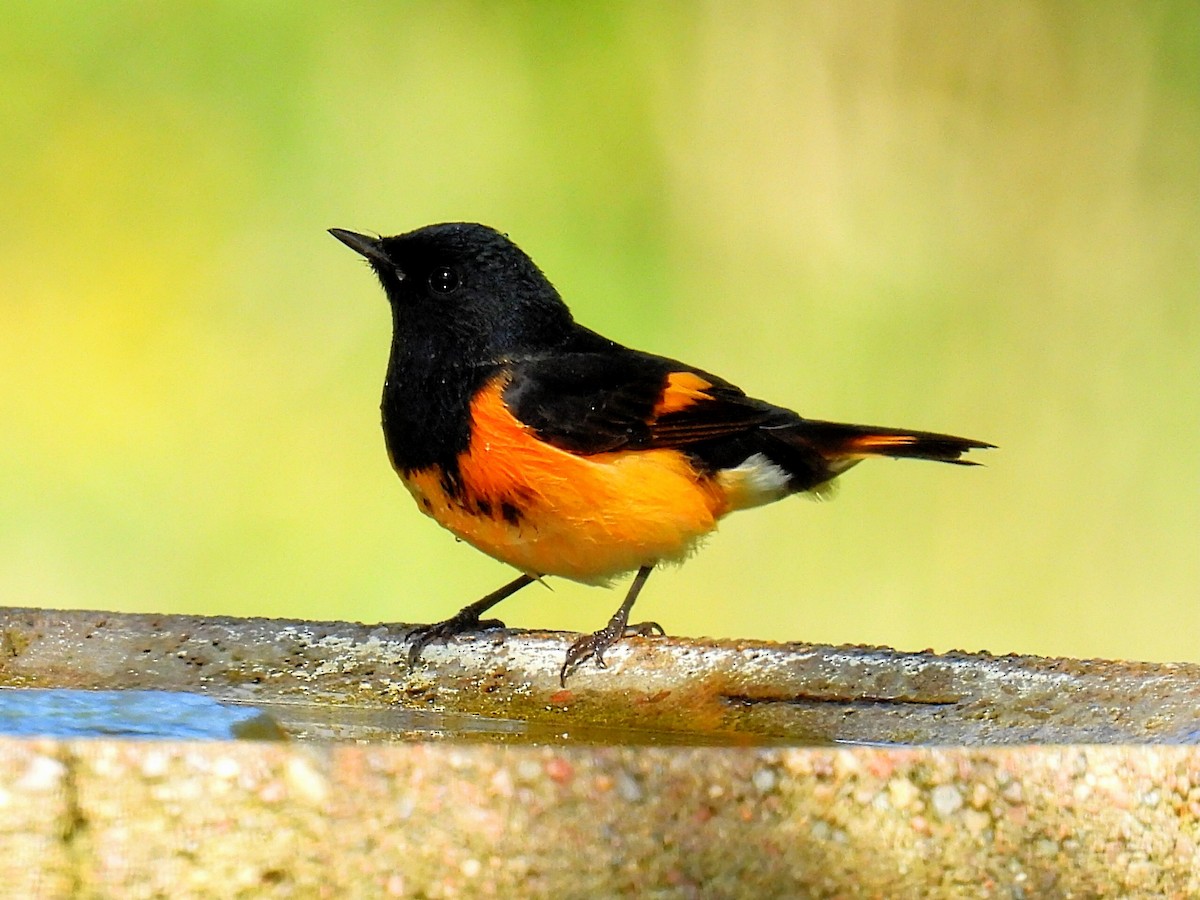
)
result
[(551, 512), (683, 390)]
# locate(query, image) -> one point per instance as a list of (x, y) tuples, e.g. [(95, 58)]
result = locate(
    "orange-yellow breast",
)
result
[(550, 512)]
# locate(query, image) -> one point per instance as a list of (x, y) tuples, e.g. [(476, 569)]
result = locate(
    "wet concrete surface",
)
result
[(344, 680)]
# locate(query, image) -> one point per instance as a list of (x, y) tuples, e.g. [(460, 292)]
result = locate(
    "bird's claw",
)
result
[(595, 645), (423, 635)]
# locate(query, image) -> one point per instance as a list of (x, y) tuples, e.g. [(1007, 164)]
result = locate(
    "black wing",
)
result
[(596, 396), (609, 398)]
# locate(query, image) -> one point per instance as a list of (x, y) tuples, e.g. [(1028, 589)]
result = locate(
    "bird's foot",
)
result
[(463, 622), (595, 645)]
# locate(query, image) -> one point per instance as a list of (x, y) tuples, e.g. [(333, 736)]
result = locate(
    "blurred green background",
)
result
[(982, 219)]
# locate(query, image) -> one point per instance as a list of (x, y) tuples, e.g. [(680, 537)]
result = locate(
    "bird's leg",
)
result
[(466, 619), (618, 626)]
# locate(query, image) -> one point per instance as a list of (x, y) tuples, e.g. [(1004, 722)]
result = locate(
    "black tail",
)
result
[(837, 442)]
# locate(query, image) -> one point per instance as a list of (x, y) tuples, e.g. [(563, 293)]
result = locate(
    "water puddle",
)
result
[(180, 715)]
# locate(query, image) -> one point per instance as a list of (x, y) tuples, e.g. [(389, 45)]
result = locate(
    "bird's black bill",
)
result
[(371, 248)]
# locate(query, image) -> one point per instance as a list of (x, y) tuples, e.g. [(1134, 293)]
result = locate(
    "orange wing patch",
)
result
[(683, 390), (547, 511)]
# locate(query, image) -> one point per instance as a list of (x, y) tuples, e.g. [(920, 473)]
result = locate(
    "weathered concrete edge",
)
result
[(794, 693), (106, 818)]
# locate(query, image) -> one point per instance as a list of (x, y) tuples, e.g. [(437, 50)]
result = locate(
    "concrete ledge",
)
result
[(686, 769), (338, 679)]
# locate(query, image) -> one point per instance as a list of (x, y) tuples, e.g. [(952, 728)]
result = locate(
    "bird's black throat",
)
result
[(426, 408)]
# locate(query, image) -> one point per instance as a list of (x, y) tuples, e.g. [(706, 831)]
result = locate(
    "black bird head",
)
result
[(465, 289)]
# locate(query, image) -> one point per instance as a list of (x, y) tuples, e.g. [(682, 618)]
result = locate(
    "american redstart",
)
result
[(560, 452)]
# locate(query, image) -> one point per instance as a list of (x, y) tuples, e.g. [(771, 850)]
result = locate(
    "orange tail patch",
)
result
[(839, 441), (869, 444)]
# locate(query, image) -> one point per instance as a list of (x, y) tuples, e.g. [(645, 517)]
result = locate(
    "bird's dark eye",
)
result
[(443, 280)]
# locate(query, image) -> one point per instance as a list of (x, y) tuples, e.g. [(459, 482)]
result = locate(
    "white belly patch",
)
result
[(754, 482)]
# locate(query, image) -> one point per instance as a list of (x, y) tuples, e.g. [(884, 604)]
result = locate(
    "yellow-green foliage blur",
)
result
[(982, 219)]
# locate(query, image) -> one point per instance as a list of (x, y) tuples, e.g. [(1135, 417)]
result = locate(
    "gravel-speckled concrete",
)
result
[(140, 819)]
